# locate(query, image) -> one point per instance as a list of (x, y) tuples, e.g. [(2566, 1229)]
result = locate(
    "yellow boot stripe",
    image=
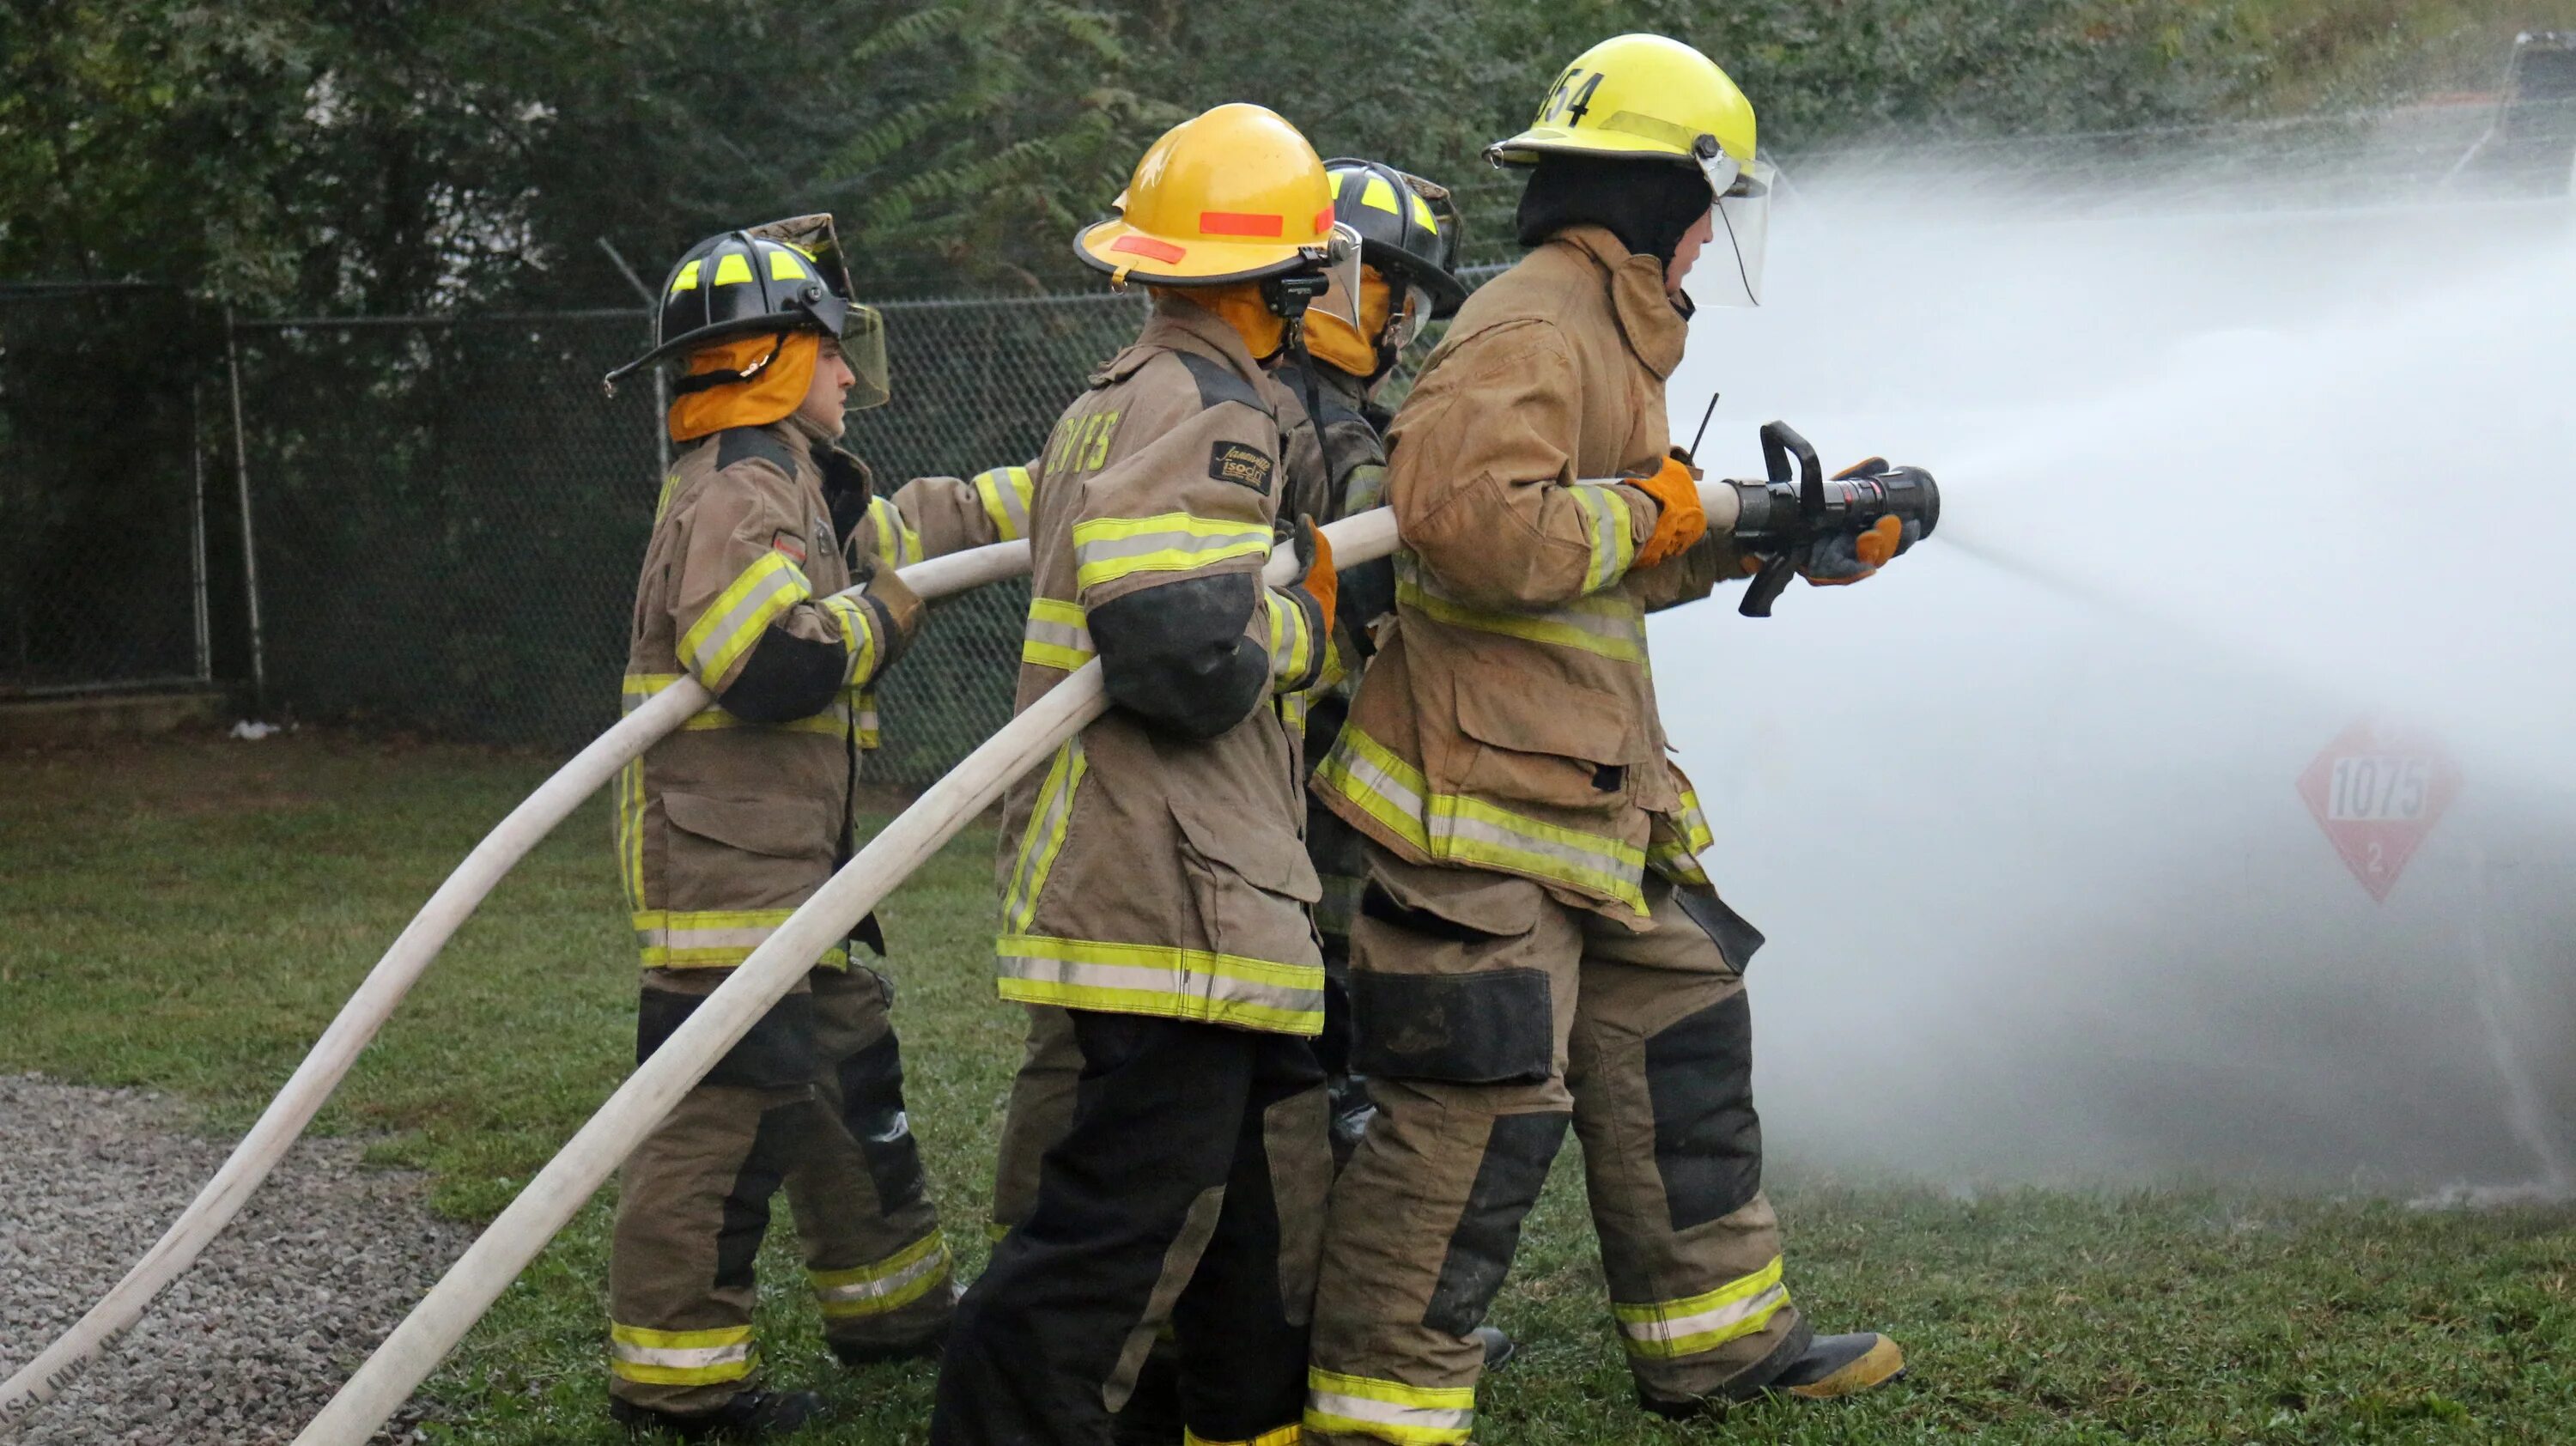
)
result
[(1670, 1329), (884, 1286), (1389, 1410), (681, 1358)]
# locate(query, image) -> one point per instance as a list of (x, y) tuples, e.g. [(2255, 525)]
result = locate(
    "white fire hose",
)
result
[(505, 1248), (384, 987), (495, 1259)]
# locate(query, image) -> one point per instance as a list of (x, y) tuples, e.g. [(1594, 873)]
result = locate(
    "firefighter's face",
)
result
[(1686, 252), (828, 394)]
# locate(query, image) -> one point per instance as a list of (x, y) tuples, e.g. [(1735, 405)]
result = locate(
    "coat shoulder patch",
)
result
[(1242, 464)]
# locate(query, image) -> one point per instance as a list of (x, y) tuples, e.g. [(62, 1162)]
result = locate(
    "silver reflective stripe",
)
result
[(681, 1358), (1387, 1413), (1450, 823), (1180, 983), (931, 1264), (1605, 523), (1612, 617), (743, 936), (1115, 549), (717, 641), (1074, 637)]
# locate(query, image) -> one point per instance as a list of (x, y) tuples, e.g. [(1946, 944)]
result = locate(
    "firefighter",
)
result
[(1155, 884), (1410, 236), (1536, 942), (726, 826)]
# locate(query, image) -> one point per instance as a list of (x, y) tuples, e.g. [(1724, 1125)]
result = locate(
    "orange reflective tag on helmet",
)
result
[(1242, 223), (1147, 246)]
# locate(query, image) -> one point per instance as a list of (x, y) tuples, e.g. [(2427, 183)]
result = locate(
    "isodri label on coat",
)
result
[(1242, 465)]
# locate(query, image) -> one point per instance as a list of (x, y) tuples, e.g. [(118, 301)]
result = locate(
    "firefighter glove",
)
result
[(902, 606), (1315, 554), (1851, 556), (1679, 520)]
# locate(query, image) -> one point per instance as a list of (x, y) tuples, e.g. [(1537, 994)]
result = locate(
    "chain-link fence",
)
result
[(443, 517), (449, 514), (103, 550)]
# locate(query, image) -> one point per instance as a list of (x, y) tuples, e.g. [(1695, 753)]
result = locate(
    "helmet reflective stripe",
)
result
[(782, 277), (1235, 194)]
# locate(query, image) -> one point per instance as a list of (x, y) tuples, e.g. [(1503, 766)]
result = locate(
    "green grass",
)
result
[(188, 916)]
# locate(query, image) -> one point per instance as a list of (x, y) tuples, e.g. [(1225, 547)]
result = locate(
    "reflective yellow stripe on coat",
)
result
[(1162, 979), (1452, 828), (713, 938), (1006, 493), (1609, 624), (1106, 549), (1058, 634), (855, 709), (733, 622)]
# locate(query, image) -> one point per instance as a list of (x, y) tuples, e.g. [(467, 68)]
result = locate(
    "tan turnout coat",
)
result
[(1144, 872), (1509, 723), (727, 825)]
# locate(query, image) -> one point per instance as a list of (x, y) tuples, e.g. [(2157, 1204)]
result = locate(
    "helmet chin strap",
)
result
[(702, 381)]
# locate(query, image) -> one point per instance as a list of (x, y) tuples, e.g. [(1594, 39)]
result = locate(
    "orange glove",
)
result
[(1321, 582), (1838, 561), (1682, 521)]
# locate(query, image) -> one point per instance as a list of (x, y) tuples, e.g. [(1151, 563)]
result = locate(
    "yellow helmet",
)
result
[(1650, 98), (1636, 97), (1232, 195)]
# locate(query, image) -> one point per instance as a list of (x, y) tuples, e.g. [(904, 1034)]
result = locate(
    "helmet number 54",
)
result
[(1565, 100)]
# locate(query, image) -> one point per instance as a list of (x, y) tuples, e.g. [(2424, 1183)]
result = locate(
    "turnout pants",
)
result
[(811, 1098), (1188, 1188), (1490, 1015)]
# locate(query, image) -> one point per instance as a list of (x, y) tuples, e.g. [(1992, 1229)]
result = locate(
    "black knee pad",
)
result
[(1494, 1026), (1708, 1142), (1517, 1155), (777, 1052), (872, 1111)]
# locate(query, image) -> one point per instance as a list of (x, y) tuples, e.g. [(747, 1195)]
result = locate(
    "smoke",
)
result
[(2043, 899)]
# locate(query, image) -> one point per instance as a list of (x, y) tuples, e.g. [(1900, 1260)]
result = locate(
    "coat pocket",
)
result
[(1252, 885), (732, 853), (1549, 740)]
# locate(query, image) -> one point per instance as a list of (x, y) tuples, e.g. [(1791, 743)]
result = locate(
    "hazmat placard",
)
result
[(2377, 790)]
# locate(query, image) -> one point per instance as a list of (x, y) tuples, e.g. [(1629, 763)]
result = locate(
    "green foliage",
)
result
[(327, 155)]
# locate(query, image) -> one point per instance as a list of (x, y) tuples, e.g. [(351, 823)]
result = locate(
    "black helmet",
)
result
[(786, 276), (1409, 228)]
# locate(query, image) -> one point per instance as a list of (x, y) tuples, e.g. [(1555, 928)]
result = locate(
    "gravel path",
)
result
[(250, 1342)]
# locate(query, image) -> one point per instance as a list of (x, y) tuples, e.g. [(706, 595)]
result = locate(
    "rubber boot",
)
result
[(751, 1416), (1499, 1348), (1843, 1365), (1830, 1367)]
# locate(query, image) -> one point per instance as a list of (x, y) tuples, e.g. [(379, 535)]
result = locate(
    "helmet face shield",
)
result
[(1411, 313), (862, 345), (1339, 267), (1739, 216)]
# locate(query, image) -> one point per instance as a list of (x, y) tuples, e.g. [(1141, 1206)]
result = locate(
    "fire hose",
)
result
[(549, 1201), (402, 965)]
